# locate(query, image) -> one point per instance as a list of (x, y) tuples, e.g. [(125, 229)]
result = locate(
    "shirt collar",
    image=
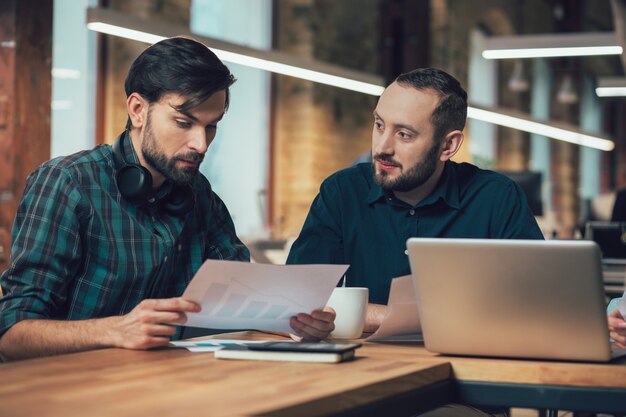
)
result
[(376, 192), (447, 190), (129, 150)]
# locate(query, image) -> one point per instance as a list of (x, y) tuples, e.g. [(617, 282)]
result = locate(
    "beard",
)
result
[(414, 177), (167, 166)]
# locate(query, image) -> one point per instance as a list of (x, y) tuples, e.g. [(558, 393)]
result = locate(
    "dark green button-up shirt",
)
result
[(80, 250), (353, 221)]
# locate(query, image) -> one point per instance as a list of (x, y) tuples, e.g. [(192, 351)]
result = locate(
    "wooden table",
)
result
[(175, 382), (537, 384), (383, 380)]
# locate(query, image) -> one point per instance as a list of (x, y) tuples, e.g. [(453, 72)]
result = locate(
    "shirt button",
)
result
[(412, 212), (180, 247), (165, 259)]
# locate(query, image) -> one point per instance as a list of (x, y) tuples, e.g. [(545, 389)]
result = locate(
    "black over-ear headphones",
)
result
[(135, 184)]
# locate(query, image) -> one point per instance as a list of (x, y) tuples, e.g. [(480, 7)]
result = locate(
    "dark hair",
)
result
[(178, 65), (451, 112)]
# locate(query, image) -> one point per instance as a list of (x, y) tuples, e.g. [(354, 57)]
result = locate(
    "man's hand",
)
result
[(617, 328), (151, 323), (314, 326)]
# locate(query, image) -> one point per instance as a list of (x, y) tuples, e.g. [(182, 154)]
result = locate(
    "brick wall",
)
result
[(318, 129)]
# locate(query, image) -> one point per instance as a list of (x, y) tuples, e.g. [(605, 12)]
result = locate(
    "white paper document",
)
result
[(402, 320), (241, 295)]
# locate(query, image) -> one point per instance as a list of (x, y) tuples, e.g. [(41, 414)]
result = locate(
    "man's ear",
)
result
[(450, 145), (137, 108)]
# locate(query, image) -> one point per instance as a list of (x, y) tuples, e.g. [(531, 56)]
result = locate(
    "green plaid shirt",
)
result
[(80, 250)]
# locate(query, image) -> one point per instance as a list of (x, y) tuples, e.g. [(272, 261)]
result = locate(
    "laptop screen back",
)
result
[(511, 298)]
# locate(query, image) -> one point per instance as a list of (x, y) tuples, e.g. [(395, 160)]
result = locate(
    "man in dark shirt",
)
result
[(364, 215), (106, 240)]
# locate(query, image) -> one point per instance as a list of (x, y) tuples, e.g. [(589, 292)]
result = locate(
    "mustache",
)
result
[(190, 157), (387, 159)]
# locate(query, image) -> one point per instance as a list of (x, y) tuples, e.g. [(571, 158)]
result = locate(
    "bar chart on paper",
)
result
[(238, 295)]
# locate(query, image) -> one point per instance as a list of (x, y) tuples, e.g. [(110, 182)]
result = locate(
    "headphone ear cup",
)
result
[(180, 201), (135, 182)]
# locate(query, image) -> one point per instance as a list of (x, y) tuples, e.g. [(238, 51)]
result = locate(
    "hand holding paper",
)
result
[(239, 295)]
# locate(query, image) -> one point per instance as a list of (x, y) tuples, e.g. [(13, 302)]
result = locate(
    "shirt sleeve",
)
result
[(512, 218), (321, 238), (45, 252), (223, 240)]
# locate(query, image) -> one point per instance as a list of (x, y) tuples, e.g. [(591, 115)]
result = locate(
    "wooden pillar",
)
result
[(513, 144), (566, 156), (566, 180), (25, 99)]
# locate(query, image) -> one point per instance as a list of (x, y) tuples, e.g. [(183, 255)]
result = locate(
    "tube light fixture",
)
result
[(118, 24), (552, 45), (611, 87), (525, 123), (123, 32), (611, 91), (65, 73)]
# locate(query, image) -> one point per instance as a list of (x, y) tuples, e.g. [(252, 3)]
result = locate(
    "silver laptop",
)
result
[(511, 298)]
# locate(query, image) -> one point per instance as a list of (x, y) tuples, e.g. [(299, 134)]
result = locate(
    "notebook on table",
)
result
[(289, 351), (511, 298)]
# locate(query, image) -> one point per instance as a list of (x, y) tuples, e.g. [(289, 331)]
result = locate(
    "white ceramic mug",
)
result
[(350, 304)]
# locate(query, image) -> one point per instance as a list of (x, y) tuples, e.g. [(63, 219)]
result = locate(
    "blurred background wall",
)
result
[(282, 135)]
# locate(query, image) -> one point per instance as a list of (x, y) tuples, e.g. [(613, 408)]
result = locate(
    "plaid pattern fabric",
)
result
[(80, 250)]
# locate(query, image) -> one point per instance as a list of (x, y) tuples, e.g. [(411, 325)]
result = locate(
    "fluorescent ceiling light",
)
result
[(118, 24), (123, 32), (303, 73), (552, 45), (61, 104), (611, 87), (65, 73), (611, 91), (524, 122)]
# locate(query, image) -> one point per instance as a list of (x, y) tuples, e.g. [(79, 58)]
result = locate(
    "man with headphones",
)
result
[(106, 240)]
